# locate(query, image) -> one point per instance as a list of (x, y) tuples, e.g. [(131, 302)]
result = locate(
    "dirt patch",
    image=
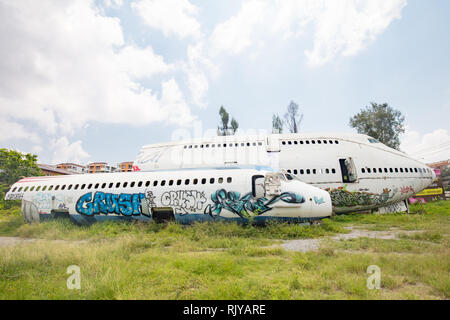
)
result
[(13, 241), (305, 245)]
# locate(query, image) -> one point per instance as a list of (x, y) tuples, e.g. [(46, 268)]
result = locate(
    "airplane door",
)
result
[(273, 143), (348, 170)]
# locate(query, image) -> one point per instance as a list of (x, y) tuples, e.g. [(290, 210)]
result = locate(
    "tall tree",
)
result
[(13, 166), (225, 130), (277, 124), (381, 122), (234, 125), (292, 118)]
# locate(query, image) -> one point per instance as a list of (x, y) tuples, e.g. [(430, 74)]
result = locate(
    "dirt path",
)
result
[(305, 245)]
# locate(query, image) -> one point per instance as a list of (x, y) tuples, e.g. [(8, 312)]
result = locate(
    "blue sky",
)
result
[(94, 81)]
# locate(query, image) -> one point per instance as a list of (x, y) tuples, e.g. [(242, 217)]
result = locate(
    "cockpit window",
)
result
[(372, 140), (289, 177)]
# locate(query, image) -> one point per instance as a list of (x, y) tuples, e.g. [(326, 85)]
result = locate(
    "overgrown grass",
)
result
[(227, 260)]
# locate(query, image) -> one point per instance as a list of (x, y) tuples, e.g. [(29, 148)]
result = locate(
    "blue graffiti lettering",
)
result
[(126, 204), (243, 206)]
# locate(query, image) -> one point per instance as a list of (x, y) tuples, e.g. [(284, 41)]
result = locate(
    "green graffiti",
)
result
[(340, 197)]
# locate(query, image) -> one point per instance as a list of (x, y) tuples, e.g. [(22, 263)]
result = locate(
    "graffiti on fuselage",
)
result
[(46, 201), (341, 197), (184, 201), (127, 204), (247, 205), (14, 196)]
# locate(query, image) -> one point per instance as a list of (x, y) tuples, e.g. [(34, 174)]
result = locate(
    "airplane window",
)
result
[(132, 184), (207, 146), (336, 142), (327, 171), (26, 188), (401, 169), (220, 180), (380, 170), (325, 141), (302, 171), (236, 144), (90, 185), (163, 182), (289, 142), (224, 144), (313, 141), (330, 141), (103, 185), (385, 170), (170, 182), (411, 170), (369, 170), (307, 141), (396, 169), (118, 185), (190, 147), (333, 170), (203, 181), (229, 179), (295, 171), (213, 145), (82, 186), (178, 182), (211, 180), (96, 186), (57, 187), (201, 146), (185, 147), (20, 189), (195, 181), (308, 171), (69, 187), (155, 183), (295, 142), (13, 190), (288, 170), (406, 169), (37, 189), (415, 169), (254, 143), (32, 188), (111, 185), (289, 177), (125, 184), (314, 171), (374, 170), (196, 146), (301, 141), (186, 181), (319, 142), (76, 187), (260, 143), (140, 184), (242, 144), (248, 143), (363, 170), (63, 187), (147, 183), (390, 170), (283, 142)]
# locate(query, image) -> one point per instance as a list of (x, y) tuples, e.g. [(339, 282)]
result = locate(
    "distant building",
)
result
[(52, 170), (125, 166), (72, 167), (439, 167), (100, 167)]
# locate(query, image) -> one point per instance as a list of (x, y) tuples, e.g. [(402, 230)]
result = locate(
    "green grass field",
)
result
[(229, 261)]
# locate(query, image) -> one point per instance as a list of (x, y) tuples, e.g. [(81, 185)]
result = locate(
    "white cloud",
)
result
[(63, 64), (10, 130), (64, 151), (172, 17), (341, 27), (429, 147)]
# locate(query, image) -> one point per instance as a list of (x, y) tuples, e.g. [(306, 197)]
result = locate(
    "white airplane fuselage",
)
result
[(185, 195), (359, 172)]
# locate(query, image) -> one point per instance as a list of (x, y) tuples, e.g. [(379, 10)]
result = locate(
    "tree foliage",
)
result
[(226, 129), (13, 166), (277, 124), (293, 118), (381, 122)]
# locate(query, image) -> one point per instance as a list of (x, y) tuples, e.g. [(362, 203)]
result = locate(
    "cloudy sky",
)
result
[(88, 80)]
